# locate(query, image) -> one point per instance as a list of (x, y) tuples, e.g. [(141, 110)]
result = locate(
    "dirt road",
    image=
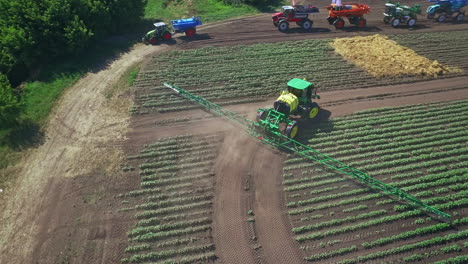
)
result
[(61, 198)]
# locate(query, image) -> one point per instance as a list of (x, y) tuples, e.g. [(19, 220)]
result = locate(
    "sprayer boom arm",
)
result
[(278, 140)]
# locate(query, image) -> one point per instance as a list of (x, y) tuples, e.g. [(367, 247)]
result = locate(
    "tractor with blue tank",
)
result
[(291, 106), (396, 14), (186, 25), (447, 9)]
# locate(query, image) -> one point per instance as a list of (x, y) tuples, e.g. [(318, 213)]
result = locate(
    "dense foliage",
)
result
[(34, 31), (9, 104)]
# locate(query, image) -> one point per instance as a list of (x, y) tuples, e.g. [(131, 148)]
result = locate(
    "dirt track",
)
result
[(63, 207)]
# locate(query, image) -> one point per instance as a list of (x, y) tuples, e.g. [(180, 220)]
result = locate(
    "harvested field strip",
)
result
[(241, 74), (380, 57), (412, 148), (173, 210)]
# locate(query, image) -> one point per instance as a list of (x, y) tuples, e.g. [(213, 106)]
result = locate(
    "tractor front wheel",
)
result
[(339, 23), (291, 130), (306, 24), (167, 36), (387, 19), (395, 22), (441, 18), (283, 26), (362, 22), (153, 40), (312, 110), (190, 32), (261, 116), (411, 22), (459, 18)]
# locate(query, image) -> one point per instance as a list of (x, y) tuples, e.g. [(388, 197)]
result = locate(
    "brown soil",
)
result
[(63, 207)]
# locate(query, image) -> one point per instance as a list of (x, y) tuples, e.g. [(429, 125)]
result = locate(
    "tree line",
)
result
[(33, 32)]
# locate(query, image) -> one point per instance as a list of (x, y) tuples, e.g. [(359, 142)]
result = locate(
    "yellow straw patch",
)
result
[(381, 57)]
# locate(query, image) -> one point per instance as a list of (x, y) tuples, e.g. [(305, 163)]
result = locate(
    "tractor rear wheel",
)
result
[(261, 116), (441, 18), (306, 24), (411, 22), (362, 22), (459, 18), (339, 23), (395, 22), (283, 26), (167, 36), (153, 40), (387, 19), (190, 32), (312, 110), (291, 130)]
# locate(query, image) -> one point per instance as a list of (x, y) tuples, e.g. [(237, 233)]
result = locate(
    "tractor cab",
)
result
[(390, 9), (302, 89), (160, 26), (288, 11)]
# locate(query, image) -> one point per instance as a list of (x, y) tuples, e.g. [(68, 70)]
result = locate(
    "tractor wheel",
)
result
[(261, 116), (411, 22), (362, 22), (459, 18), (387, 19), (395, 22), (306, 24), (339, 23), (153, 40), (331, 20), (167, 36), (283, 26), (291, 130), (441, 18), (312, 110), (190, 32)]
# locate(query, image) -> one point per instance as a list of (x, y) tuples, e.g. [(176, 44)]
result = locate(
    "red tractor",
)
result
[(297, 13), (353, 12)]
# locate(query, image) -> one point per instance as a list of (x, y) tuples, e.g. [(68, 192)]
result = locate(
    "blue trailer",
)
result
[(186, 25), (444, 9)]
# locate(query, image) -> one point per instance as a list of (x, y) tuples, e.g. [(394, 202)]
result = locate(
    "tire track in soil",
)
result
[(230, 227)]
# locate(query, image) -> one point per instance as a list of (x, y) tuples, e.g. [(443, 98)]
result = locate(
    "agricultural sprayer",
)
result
[(395, 14), (352, 11), (292, 105), (266, 130), (444, 9)]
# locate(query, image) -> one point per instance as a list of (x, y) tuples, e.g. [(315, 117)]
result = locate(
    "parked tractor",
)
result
[(353, 12), (395, 14), (444, 9), (292, 105), (161, 32), (187, 25), (297, 13)]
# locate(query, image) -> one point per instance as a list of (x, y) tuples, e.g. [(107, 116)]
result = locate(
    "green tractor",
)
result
[(395, 14), (161, 32), (290, 107)]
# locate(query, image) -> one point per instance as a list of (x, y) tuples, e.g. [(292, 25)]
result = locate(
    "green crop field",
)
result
[(173, 206), (421, 149), (242, 74)]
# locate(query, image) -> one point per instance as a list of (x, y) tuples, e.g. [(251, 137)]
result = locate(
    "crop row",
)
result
[(173, 208)]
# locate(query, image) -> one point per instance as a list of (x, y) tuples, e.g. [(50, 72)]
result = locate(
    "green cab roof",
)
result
[(299, 84)]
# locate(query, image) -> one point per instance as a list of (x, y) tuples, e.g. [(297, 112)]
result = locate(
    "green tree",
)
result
[(9, 103)]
